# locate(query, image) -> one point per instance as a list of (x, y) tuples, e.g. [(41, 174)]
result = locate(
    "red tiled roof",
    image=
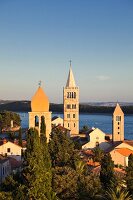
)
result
[(124, 151)]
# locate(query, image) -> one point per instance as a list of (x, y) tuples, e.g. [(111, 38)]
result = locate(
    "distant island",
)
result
[(105, 107)]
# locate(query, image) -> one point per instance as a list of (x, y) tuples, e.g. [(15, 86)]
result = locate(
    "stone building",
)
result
[(40, 111), (71, 105), (118, 124)]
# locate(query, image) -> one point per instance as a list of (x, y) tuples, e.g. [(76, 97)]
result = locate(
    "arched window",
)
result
[(74, 95), (118, 118), (36, 121)]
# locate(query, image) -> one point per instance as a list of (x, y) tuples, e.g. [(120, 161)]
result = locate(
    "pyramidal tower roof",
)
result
[(40, 102), (118, 110), (70, 80)]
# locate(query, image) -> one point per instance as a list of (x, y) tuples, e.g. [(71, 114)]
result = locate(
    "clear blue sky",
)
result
[(39, 37)]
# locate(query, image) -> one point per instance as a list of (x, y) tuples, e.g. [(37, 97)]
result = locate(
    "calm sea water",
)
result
[(102, 121)]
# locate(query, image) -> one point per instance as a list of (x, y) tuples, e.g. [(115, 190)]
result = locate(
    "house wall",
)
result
[(58, 121), (119, 158), (124, 145), (11, 149), (96, 137), (5, 170)]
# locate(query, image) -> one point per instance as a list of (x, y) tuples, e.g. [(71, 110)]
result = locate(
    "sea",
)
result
[(101, 121)]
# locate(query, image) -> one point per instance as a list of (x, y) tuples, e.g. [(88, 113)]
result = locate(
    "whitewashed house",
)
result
[(57, 121), (96, 137), (10, 149)]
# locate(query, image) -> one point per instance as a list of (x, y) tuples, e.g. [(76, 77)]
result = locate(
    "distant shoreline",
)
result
[(24, 106)]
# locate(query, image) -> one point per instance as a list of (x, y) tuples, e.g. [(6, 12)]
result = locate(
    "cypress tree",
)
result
[(107, 176), (46, 156), (20, 137), (129, 175), (62, 150), (35, 175)]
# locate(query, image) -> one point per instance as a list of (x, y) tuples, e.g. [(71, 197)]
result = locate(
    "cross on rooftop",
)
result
[(70, 62), (40, 83)]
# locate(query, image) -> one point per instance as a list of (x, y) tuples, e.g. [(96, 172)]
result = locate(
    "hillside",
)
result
[(24, 106)]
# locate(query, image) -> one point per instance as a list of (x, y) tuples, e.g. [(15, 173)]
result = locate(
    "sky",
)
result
[(39, 37)]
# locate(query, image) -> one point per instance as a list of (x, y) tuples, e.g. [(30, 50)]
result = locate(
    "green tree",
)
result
[(80, 167), (46, 158), (85, 128), (43, 126), (20, 136), (86, 182), (6, 196), (35, 174), (65, 182), (89, 187), (129, 175), (11, 188), (62, 150), (6, 117), (11, 135), (107, 176), (117, 193), (97, 154)]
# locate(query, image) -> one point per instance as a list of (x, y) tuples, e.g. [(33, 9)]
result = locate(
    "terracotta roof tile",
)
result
[(124, 151)]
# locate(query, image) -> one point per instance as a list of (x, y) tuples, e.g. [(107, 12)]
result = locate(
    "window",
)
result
[(73, 115), (118, 133), (8, 150), (74, 95), (68, 115), (68, 106), (118, 123), (36, 121), (118, 118), (118, 127), (68, 124), (73, 106), (74, 125)]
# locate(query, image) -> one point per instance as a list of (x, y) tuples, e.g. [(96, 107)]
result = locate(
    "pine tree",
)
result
[(107, 176), (129, 176), (35, 173)]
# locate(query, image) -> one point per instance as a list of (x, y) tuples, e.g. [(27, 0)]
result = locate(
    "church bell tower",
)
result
[(71, 105), (118, 124), (40, 111)]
